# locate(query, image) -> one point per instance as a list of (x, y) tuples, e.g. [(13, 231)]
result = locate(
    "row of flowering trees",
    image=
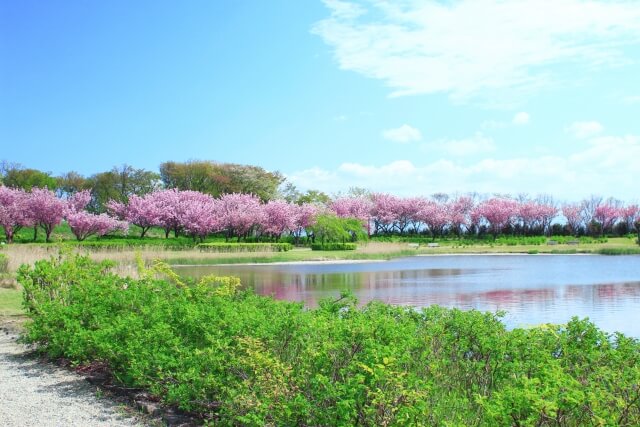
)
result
[(237, 215), (197, 214), (42, 209), (385, 213)]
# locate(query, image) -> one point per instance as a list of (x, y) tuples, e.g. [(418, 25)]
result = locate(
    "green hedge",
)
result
[(333, 247), (133, 243), (237, 358), (618, 251), (245, 247)]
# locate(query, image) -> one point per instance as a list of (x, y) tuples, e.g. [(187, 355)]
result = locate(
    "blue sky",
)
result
[(410, 97)]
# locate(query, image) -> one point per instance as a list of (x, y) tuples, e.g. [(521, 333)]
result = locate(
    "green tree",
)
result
[(26, 179), (291, 194), (330, 228), (221, 178), (119, 183), (71, 182), (315, 197)]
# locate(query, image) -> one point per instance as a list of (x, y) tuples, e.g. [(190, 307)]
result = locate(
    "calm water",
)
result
[(532, 289)]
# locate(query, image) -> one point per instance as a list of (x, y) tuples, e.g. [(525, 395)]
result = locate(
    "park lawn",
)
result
[(10, 302)]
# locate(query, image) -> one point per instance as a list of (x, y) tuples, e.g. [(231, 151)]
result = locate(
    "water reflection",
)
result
[(531, 289)]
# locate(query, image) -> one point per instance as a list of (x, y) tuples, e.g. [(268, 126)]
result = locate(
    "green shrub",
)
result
[(134, 243), (241, 359), (245, 247), (618, 251), (333, 246)]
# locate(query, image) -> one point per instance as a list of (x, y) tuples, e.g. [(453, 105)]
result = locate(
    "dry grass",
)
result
[(381, 248)]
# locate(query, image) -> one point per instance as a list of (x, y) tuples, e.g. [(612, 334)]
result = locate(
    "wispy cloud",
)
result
[(466, 47), (583, 130), (521, 118), (474, 145), (493, 124), (602, 166), (403, 134), (632, 99)]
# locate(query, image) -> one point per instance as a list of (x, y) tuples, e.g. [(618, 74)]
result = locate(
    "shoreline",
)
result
[(361, 261)]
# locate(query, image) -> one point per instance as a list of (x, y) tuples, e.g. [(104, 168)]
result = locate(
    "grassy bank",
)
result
[(10, 302), (234, 358)]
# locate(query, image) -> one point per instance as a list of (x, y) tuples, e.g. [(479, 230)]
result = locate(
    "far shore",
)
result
[(360, 261), (125, 258)]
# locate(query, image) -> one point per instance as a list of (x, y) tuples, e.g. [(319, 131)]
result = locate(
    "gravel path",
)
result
[(33, 393)]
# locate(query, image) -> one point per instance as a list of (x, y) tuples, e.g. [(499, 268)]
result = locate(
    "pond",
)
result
[(532, 289)]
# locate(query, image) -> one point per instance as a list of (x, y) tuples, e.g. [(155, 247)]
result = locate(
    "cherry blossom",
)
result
[(14, 211)]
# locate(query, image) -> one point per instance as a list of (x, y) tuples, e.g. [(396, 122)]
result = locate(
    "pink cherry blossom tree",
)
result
[(197, 214), (14, 211), (384, 212), (278, 217), (574, 217), (239, 214), (79, 200), (546, 214), (459, 212), (535, 215), (354, 207), (435, 216), (304, 217), (46, 210), (606, 215), (84, 224), (498, 213), (628, 214), (143, 212), (166, 202)]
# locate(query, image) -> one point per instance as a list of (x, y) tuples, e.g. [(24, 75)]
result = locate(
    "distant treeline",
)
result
[(121, 182)]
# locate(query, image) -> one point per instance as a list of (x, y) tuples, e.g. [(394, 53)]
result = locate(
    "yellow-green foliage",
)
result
[(241, 359)]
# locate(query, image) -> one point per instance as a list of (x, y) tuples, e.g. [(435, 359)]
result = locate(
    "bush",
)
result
[(240, 359), (618, 251), (245, 247), (333, 247)]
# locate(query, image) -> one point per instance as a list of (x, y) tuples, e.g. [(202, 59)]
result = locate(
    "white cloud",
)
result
[(521, 118), (469, 46), (402, 135), (583, 130), (493, 124), (341, 118), (474, 145), (604, 166), (632, 99)]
